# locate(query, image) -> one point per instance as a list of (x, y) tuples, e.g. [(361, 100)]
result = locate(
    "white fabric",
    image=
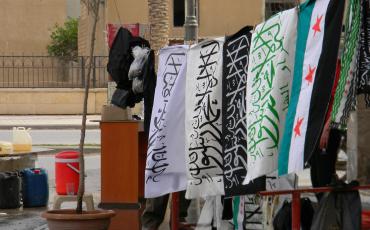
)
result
[(240, 215), (270, 73), (203, 119), (165, 167), (211, 215), (311, 60)]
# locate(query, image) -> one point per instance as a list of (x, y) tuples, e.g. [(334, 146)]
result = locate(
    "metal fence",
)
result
[(51, 72)]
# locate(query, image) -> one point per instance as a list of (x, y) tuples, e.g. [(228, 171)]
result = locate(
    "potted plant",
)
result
[(79, 219)]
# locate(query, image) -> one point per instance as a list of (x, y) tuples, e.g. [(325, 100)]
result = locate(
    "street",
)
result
[(30, 219), (57, 137)]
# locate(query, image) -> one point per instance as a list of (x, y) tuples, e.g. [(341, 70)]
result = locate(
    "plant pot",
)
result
[(68, 219)]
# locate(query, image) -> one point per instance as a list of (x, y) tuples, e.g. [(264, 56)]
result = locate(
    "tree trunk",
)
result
[(159, 23), (93, 5)]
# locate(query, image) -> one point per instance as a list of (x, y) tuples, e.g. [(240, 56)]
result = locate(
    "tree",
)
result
[(93, 7), (159, 23), (64, 40)]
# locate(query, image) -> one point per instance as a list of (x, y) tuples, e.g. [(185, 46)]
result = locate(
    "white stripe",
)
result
[(311, 60), (59, 160)]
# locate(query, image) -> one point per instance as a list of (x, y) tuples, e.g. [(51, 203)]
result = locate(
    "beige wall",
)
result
[(217, 17), (25, 24), (220, 17), (50, 101), (85, 30), (129, 11)]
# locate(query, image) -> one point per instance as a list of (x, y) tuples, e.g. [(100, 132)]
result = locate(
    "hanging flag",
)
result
[(270, 72), (203, 119), (319, 30), (238, 212), (364, 62), (165, 167), (253, 215), (346, 91), (234, 111)]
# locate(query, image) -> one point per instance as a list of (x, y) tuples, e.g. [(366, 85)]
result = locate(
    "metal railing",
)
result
[(50, 72)]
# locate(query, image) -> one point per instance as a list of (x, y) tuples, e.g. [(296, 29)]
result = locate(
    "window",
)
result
[(273, 7), (179, 12)]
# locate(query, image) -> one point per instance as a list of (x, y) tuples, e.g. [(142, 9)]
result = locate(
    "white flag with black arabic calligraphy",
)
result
[(165, 166), (204, 119)]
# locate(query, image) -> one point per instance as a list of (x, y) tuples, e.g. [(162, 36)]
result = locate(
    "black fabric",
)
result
[(364, 62), (338, 210), (325, 76), (155, 210), (323, 162), (119, 98), (227, 212), (150, 81), (234, 111), (10, 190), (120, 59), (283, 218)]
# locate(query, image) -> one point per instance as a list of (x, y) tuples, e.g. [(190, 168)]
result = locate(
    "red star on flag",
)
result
[(316, 27), (297, 128), (309, 76)]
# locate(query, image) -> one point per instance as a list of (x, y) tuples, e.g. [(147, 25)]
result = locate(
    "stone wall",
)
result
[(50, 101)]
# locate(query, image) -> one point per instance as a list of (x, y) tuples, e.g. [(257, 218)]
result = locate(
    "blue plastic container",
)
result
[(35, 187)]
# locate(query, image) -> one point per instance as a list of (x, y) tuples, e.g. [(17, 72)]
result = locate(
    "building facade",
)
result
[(26, 25)]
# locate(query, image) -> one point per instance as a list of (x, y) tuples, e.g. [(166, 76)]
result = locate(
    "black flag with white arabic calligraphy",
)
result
[(234, 120)]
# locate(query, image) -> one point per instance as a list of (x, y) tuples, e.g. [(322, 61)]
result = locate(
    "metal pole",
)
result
[(175, 219), (191, 22), (191, 37), (296, 211)]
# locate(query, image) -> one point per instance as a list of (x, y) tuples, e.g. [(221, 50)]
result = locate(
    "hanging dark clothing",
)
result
[(120, 59), (323, 162), (150, 81)]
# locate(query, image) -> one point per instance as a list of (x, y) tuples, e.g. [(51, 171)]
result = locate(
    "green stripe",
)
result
[(352, 33), (236, 202), (304, 22)]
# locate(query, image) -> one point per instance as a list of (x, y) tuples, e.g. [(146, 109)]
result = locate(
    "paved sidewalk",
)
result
[(48, 121)]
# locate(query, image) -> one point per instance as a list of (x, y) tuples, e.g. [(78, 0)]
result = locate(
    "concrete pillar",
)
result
[(363, 142), (352, 150)]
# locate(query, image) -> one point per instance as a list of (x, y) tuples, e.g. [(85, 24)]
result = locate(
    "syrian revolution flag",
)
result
[(270, 73), (165, 166), (317, 45)]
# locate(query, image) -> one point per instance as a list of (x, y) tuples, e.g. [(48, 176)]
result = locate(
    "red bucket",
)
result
[(67, 171), (365, 220)]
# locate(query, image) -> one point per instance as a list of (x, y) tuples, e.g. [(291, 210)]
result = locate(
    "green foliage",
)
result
[(64, 40)]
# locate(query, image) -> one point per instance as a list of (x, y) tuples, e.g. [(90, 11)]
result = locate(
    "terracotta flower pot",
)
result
[(68, 219)]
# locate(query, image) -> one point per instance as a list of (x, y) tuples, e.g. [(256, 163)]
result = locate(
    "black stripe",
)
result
[(325, 75)]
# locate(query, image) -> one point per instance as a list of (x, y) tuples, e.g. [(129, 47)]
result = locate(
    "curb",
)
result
[(67, 126)]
